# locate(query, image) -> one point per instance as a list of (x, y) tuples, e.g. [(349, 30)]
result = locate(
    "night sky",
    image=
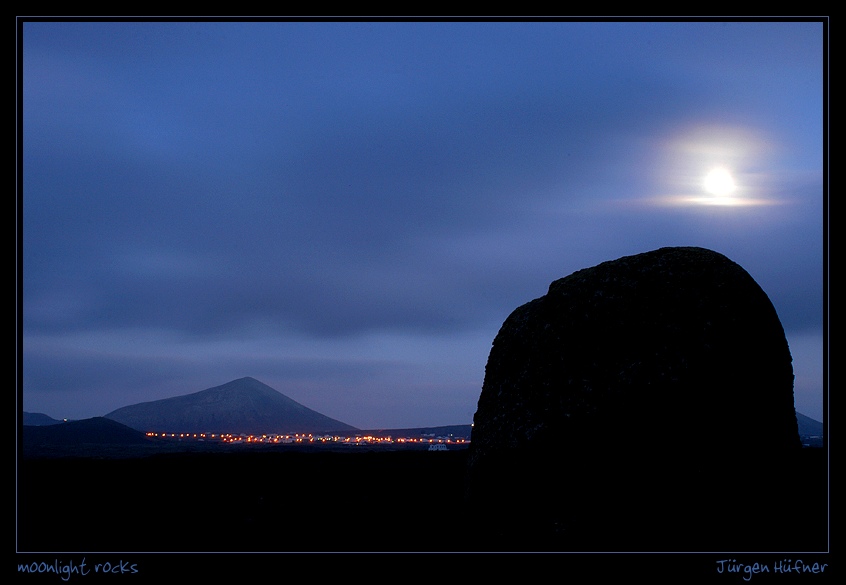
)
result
[(348, 211)]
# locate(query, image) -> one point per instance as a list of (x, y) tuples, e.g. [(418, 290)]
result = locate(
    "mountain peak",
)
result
[(246, 379), (245, 405)]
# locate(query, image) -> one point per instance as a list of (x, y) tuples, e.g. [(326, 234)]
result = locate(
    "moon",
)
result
[(719, 182)]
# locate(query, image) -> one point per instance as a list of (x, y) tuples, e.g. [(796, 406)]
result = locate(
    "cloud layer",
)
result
[(348, 211)]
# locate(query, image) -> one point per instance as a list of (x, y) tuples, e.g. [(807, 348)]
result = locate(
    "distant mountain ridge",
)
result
[(97, 430), (245, 405), (439, 431), (808, 426), (38, 419)]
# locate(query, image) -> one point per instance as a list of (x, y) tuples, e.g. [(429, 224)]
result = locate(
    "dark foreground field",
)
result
[(324, 501), (244, 501)]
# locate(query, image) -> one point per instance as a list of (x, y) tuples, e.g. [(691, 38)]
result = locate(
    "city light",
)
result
[(299, 438)]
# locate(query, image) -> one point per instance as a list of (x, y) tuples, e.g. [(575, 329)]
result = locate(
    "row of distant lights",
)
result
[(228, 437), (308, 438)]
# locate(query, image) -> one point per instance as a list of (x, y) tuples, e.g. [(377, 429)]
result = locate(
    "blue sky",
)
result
[(348, 211)]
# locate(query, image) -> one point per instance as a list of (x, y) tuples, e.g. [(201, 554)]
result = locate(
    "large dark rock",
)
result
[(644, 403)]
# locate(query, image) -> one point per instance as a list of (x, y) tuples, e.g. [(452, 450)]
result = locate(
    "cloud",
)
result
[(331, 182)]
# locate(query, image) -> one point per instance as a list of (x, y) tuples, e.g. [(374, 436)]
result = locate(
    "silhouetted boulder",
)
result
[(565, 451)]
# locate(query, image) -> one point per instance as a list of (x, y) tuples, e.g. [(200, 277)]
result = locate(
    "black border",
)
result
[(282, 567)]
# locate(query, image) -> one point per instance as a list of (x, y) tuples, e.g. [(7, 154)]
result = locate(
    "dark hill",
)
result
[(96, 430), (808, 427), (810, 431), (441, 431), (241, 406), (38, 419)]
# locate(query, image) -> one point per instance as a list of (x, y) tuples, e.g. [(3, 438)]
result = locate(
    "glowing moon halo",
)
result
[(712, 166)]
